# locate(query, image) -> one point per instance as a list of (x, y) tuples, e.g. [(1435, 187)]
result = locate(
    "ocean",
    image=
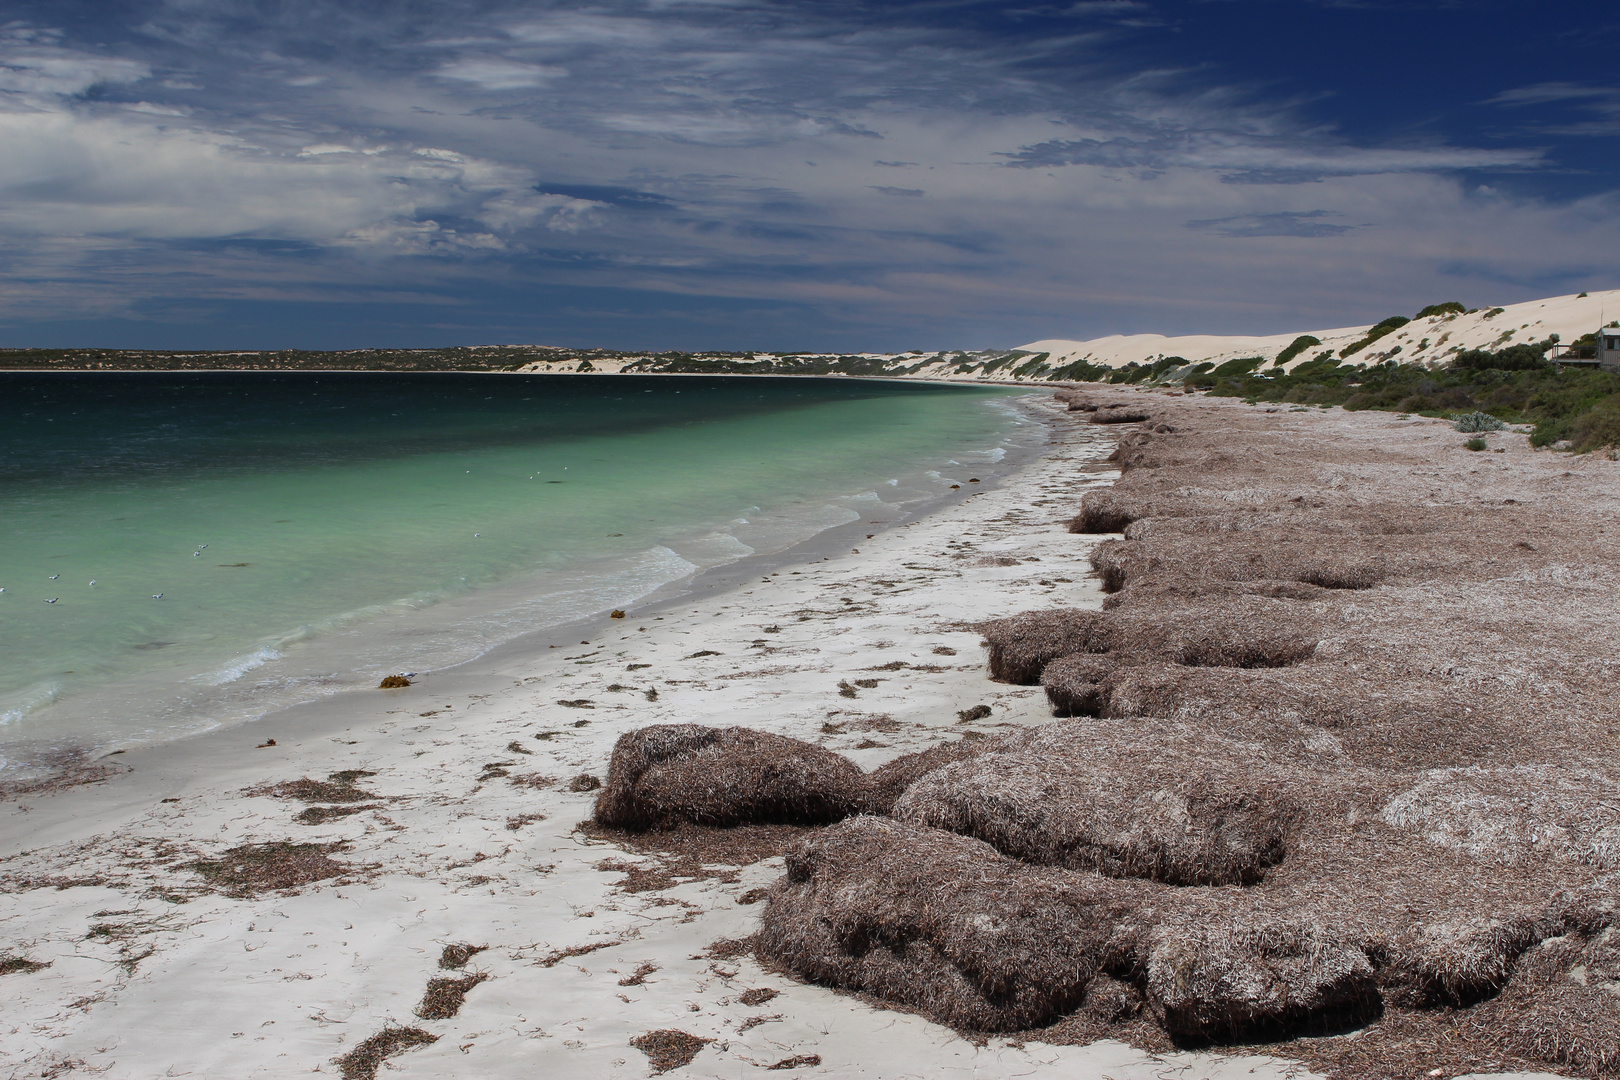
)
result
[(180, 551)]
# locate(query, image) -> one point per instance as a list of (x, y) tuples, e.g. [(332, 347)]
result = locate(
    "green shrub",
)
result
[(1597, 427), (1476, 443), (1512, 358), (1295, 347), (1450, 307), (1234, 368), (1388, 326), (1476, 421)]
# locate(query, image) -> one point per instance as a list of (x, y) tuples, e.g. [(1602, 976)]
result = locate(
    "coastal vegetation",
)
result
[(1515, 385)]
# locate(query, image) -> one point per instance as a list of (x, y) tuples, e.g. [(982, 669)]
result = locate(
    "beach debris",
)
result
[(616, 613), (320, 815), (277, 866), (393, 682), (364, 1060), (845, 689), (976, 712), (639, 976), (338, 787), (266, 743), (757, 996), (668, 1048), (515, 823), (12, 965), (455, 957), (584, 782), (797, 1061), (445, 996), (577, 703)]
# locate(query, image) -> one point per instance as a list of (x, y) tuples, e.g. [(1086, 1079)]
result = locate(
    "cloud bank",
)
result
[(647, 173)]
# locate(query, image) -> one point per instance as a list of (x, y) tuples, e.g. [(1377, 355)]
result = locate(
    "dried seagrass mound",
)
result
[(672, 773), (1241, 981), (945, 924), (1120, 415), (1563, 1004), (889, 781), (1104, 511), (1021, 645), (1244, 632), (1357, 565), (1173, 818), (1078, 685)]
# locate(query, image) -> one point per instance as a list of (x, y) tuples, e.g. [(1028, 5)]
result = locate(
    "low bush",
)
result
[(1476, 421), (1294, 348), (1476, 443), (1450, 307), (1598, 427), (1234, 368), (1388, 326), (1512, 358)]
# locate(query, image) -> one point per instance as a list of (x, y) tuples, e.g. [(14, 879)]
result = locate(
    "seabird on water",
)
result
[(53, 599), (157, 596), (53, 577)]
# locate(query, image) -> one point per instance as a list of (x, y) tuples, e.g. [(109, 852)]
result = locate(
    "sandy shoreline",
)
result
[(466, 828), (152, 973)]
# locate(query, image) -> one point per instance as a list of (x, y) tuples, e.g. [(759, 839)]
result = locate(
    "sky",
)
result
[(793, 175)]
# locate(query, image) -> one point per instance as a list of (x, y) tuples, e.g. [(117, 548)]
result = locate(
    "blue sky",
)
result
[(791, 175)]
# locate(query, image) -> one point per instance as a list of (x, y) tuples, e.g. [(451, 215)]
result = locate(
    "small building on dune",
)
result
[(1600, 349)]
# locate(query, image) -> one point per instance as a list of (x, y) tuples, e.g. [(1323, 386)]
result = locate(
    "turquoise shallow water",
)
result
[(308, 532)]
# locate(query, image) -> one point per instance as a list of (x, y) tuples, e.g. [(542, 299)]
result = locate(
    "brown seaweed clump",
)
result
[(672, 773), (252, 869), (364, 1060), (668, 1048), (394, 682), (445, 996)]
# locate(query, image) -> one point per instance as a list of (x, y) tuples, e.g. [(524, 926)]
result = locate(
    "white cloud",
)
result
[(36, 68), (495, 73), (513, 210), (418, 238)]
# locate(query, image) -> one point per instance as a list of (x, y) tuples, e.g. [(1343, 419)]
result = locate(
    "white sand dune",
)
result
[(1430, 339)]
